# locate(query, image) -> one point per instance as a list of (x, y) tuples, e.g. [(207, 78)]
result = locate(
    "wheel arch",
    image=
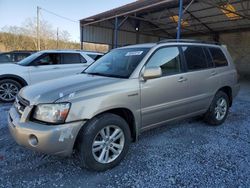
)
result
[(124, 113), (228, 91), (14, 77), (129, 117)]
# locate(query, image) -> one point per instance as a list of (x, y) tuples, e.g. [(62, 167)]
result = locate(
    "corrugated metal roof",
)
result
[(202, 16)]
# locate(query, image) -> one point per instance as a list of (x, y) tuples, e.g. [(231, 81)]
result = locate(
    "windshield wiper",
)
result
[(102, 74), (95, 73)]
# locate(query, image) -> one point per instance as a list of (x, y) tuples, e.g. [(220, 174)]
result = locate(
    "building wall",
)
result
[(238, 45), (102, 35)]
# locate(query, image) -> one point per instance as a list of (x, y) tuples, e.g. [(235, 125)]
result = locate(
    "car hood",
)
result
[(9, 62), (53, 90), (8, 66)]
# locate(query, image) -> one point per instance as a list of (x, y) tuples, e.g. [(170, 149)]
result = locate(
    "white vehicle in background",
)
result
[(42, 66)]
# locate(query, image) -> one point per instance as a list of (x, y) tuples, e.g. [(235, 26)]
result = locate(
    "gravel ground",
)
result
[(185, 154)]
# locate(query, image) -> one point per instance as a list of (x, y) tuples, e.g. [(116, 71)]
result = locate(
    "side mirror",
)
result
[(151, 73)]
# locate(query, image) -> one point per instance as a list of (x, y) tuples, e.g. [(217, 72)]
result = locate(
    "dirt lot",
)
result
[(185, 154)]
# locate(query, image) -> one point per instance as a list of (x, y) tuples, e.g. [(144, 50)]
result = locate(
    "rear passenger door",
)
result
[(72, 63), (201, 78)]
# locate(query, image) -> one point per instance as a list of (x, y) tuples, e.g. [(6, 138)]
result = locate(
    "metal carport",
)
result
[(226, 21)]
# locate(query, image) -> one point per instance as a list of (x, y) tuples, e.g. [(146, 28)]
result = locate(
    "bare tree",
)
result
[(25, 37), (46, 32)]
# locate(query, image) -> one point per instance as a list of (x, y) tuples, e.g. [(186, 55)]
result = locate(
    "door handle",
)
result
[(56, 68), (182, 79), (213, 73)]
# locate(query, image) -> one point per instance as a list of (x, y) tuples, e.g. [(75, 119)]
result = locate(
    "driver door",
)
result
[(45, 67), (163, 98)]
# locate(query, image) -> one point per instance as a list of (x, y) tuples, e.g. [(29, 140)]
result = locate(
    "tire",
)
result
[(8, 90), (92, 132), (216, 107)]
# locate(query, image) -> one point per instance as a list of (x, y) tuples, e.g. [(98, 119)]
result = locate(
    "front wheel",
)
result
[(104, 142), (218, 110), (8, 90)]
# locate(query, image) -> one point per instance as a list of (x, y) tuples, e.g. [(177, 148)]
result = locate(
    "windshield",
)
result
[(118, 63), (26, 61)]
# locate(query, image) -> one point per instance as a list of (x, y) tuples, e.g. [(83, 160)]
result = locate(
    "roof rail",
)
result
[(188, 41)]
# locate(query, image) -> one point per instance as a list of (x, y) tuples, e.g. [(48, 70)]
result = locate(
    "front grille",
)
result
[(21, 104)]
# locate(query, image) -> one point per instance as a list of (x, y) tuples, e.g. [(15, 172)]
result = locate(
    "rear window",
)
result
[(195, 57), (218, 56)]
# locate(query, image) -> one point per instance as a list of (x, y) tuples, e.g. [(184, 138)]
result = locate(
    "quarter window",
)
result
[(168, 59), (195, 57), (219, 58), (94, 56)]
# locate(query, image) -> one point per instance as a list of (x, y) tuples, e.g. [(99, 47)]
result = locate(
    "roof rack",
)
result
[(188, 41), (75, 50)]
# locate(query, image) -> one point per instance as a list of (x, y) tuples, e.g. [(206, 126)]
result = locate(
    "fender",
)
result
[(14, 77)]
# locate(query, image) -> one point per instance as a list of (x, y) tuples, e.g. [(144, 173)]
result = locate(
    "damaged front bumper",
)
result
[(49, 139)]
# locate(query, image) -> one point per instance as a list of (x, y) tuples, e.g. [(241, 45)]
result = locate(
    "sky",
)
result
[(15, 12)]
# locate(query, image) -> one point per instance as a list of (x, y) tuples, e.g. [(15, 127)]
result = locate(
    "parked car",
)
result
[(14, 56), (127, 91), (41, 66)]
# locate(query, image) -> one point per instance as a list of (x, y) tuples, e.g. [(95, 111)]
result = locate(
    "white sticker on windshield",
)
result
[(134, 53)]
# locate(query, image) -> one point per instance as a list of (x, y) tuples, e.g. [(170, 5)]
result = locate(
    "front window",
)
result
[(47, 59), (118, 63), (168, 58)]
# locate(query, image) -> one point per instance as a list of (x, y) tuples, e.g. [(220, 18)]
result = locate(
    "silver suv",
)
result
[(127, 91)]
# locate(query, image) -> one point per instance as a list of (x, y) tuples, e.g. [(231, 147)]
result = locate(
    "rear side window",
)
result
[(195, 57), (210, 62), (218, 56), (71, 58)]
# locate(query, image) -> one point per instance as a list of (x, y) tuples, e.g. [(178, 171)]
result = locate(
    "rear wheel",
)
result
[(9, 89), (104, 142), (218, 110)]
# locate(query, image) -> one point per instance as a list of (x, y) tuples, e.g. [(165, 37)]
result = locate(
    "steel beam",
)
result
[(152, 23), (180, 20), (220, 7), (116, 32), (130, 12), (197, 19)]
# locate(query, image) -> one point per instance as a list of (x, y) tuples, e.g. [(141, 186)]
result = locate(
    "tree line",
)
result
[(25, 37)]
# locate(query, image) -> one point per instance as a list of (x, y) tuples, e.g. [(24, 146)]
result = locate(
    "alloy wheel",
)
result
[(8, 91), (108, 144), (221, 109)]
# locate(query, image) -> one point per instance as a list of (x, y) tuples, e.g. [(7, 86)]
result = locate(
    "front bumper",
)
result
[(54, 139)]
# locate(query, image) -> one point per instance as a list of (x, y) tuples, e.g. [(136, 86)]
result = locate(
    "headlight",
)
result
[(52, 113)]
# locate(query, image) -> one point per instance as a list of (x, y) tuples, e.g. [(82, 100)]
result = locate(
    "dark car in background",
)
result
[(14, 56)]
